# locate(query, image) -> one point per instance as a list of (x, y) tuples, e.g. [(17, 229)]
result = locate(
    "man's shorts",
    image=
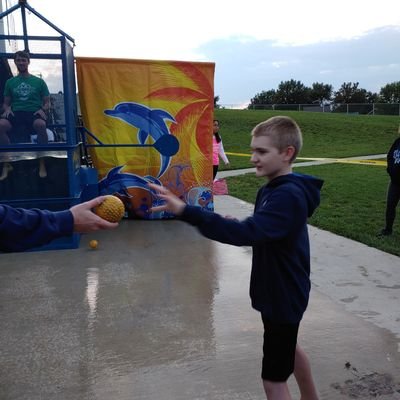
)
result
[(279, 350), (22, 125)]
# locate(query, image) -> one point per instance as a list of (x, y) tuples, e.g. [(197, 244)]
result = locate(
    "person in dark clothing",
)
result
[(5, 74), (22, 229), (277, 231), (393, 192)]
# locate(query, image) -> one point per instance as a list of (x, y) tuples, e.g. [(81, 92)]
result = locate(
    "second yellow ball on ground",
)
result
[(93, 244)]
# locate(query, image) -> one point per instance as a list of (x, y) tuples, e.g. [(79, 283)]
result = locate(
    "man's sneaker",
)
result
[(385, 232)]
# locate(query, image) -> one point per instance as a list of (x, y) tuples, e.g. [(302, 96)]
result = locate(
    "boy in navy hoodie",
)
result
[(277, 232)]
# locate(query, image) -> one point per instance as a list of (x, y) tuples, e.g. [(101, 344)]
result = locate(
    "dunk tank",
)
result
[(124, 124)]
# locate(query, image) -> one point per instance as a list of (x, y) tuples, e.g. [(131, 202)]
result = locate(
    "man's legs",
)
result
[(5, 127), (302, 373), (39, 126)]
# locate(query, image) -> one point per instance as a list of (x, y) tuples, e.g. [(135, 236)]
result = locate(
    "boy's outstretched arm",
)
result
[(210, 224), (173, 204)]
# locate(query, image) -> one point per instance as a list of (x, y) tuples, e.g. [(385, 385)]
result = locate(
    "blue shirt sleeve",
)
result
[(21, 229)]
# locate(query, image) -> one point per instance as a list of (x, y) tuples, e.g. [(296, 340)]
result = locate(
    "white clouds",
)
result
[(174, 30), (305, 40), (262, 66), (325, 72), (279, 64)]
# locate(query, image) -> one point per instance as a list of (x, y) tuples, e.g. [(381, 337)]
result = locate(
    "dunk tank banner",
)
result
[(163, 110)]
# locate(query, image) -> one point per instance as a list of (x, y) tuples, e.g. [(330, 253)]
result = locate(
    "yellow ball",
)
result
[(93, 244), (111, 209)]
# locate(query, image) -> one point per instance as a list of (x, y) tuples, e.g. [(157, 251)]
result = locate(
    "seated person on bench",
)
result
[(26, 101)]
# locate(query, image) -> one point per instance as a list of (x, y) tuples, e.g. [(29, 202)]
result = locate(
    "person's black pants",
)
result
[(393, 198), (215, 170)]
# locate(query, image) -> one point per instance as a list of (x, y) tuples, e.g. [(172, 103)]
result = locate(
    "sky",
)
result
[(255, 45)]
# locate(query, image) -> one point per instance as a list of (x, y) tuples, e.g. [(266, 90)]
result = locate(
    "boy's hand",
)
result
[(173, 204)]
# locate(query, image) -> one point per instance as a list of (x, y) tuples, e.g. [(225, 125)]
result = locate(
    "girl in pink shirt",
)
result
[(218, 149)]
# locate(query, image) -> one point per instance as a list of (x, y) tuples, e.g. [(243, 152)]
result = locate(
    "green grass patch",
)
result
[(354, 196), (353, 201), (324, 134)]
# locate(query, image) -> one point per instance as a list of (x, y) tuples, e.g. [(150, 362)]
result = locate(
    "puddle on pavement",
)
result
[(156, 312), (369, 385)]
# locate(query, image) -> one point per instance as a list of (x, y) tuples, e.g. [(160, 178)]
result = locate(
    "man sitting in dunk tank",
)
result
[(26, 102)]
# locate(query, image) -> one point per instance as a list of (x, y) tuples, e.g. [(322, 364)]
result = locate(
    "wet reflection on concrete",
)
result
[(91, 294), (159, 312)]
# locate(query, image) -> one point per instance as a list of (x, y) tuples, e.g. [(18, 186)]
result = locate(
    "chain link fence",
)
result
[(351, 108)]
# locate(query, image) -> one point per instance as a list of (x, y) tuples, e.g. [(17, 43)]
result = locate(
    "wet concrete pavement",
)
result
[(159, 312)]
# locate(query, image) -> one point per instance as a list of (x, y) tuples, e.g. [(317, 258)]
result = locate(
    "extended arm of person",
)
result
[(44, 108), (22, 229), (269, 223), (222, 154), (85, 220), (6, 107)]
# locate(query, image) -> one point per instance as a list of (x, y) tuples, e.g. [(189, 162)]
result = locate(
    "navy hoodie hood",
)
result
[(310, 185)]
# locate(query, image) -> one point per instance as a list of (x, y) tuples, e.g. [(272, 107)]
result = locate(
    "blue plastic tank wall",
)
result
[(65, 184), (24, 182)]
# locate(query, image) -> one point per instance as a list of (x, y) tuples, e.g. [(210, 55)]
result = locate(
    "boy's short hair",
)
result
[(283, 132), (22, 54)]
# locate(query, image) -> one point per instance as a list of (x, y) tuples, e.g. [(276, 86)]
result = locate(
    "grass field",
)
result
[(324, 134), (353, 197)]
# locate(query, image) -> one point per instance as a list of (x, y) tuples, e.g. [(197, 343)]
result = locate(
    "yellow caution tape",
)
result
[(328, 160)]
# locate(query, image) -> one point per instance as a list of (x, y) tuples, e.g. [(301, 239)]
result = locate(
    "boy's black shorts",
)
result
[(279, 350)]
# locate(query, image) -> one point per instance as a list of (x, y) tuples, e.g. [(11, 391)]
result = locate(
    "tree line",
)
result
[(295, 92)]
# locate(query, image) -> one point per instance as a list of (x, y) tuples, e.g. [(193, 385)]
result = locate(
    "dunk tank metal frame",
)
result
[(80, 182)]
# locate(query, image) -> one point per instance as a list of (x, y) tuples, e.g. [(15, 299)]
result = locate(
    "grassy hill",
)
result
[(324, 134), (354, 196)]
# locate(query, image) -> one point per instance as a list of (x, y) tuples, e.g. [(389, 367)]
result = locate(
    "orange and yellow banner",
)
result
[(158, 117)]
